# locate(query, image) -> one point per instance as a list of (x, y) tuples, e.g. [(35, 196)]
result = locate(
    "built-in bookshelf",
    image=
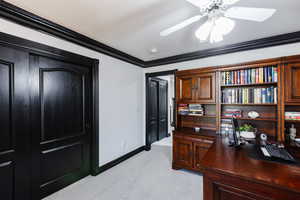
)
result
[(243, 90), (205, 119), (269, 87)]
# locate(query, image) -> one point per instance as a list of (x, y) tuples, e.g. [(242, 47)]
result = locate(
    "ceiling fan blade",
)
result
[(181, 25), (230, 2), (252, 14)]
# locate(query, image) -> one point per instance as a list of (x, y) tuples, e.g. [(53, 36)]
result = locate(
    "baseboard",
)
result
[(117, 161)]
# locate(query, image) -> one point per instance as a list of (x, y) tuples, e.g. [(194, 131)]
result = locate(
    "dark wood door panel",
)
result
[(14, 118), (68, 159), (61, 104), (292, 82), (185, 88), (199, 153), (183, 153), (163, 109), (222, 192), (205, 88), (153, 111), (6, 89), (7, 180), (62, 113), (152, 130)]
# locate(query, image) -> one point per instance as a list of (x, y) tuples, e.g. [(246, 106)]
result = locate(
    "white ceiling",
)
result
[(134, 26)]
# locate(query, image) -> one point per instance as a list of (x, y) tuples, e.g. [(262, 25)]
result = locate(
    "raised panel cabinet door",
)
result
[(223, 192), (183, 153), (205, 88), (163, 109), (199, 153), (292, 83), (185, 88), (14, 125), (61, 121)]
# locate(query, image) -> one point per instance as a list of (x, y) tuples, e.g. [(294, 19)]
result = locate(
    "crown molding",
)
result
[(25, 18), (243, 46)]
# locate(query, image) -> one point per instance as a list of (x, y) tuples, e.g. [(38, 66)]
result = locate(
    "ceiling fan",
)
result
[(219, 18)]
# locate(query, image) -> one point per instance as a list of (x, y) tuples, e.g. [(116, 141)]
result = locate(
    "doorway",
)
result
[(160, 99)]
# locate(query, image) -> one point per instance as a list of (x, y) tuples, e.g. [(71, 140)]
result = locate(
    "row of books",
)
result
[(190, 109), (249, 95), (292, 115), (250, 76)]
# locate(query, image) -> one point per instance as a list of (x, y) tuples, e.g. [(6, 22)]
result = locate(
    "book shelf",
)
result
[(243, 90), (283, 94), (207, 121)]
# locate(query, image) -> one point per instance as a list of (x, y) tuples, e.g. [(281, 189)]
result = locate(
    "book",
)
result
[(249, 95), (265, 74)]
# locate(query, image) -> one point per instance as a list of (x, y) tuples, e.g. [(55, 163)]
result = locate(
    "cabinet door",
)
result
[(185, 87), (224, 192), (205, 88), (183, 152), (292, 83), (199, 153)]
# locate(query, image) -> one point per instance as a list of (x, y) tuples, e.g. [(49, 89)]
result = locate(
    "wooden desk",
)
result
[(189, 147), (230, 174)]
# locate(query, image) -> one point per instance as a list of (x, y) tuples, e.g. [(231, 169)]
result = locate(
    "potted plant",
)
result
[(247, 131)]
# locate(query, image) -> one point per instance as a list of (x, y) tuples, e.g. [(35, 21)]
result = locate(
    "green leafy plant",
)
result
[(246, 127)]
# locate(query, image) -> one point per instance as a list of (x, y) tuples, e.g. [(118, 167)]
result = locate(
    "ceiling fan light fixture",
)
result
[(215, 35), (224, 25), (215, 28), (203, 31)]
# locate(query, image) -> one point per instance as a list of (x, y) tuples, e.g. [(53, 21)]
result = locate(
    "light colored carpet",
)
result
[(146, 176), (164, 142)]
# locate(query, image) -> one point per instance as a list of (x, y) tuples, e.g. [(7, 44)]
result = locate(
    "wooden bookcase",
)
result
[(207, 82), (290, 80), (204, 86), (267, 122), (197, 88)]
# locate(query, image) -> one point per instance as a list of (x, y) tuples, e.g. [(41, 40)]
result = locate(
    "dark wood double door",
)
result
[(44, 115), (158, 109)]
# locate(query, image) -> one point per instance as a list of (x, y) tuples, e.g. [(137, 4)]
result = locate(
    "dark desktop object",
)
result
[(234, 138), (271, 152)]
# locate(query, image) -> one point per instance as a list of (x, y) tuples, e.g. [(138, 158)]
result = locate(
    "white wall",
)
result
[(239, 57), (121, 92)]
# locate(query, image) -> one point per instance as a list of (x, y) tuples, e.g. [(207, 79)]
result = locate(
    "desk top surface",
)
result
[(235, 162)]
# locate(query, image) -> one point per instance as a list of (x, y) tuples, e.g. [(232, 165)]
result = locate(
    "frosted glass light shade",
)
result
[(203, 31), (215, 28)]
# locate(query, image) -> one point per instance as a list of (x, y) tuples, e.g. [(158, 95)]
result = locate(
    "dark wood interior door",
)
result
[(60, 96), (14, 134), (153, 111), (163, 109)]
